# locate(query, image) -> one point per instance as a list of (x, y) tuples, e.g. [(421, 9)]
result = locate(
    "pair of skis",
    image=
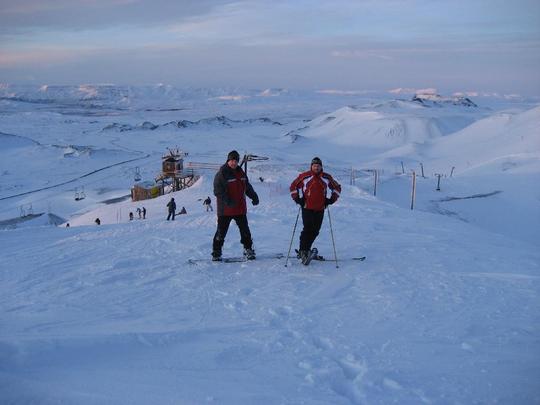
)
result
[(313, 254), (273, 256)]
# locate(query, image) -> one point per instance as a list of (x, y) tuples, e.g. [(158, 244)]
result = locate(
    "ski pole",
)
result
[(292, 237), (332, 233)]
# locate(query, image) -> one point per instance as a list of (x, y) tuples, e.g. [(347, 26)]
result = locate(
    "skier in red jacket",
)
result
[(231, 186), (309, 190)]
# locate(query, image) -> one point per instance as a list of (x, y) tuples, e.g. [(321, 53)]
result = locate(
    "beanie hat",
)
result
[(316, 161), (233, 155)]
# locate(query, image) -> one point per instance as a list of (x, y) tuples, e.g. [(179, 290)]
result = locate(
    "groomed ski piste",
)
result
[(445, 309)]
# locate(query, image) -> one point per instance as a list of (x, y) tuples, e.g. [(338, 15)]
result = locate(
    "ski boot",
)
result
[(216, 256), (302, 255), (310, 255), (249, 253), (316, 255)]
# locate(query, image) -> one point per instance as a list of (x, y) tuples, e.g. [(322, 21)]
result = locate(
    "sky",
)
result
[(454, 45)]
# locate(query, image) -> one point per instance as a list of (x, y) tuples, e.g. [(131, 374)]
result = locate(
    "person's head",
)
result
[(172, 198), (232, 159), (316, 165)]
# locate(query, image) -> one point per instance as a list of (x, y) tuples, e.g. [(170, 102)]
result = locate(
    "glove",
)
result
[(327, 202), (255, 200), (300, 201)]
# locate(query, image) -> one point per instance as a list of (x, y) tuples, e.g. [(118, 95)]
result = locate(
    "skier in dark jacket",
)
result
[(172, 209), (314, 185), (231, 186), (208, 204)]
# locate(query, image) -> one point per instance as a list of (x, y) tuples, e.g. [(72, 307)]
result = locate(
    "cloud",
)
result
[(401, 90), (466, 94), (360, 54), (35, 56), (25, 16), (344, 92), (409, 90)]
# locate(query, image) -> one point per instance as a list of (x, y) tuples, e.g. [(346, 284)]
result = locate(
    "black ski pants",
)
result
[(223, 227), (312, 224), (171, 213)]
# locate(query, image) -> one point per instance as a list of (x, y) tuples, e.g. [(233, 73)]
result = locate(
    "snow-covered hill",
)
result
[(505, 140), (373, 130)]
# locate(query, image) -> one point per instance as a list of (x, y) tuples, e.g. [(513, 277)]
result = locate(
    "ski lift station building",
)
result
[(145, 191)]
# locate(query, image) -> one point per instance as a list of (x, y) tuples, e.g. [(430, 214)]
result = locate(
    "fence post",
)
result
[(452, 171), (422, 167), (376, 180), (413, 194), (438, 181), (402, 168)]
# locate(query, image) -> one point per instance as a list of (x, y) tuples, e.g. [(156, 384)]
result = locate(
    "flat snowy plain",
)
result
[(445, 309)]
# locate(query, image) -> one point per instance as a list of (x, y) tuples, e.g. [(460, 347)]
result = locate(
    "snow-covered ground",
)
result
[(445, 309)]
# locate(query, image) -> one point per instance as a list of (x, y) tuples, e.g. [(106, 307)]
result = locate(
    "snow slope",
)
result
[(370, 129), (445, 309), (441, 311), (505, 140)]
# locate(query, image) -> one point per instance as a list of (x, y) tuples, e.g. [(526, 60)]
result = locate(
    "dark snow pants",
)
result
[(223, 227), (312, 224), (171, 213)]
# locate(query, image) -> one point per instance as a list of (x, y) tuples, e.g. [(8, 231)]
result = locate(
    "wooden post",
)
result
[(438, 181), (376, 181), (413, 194), (452, 171), (422, 167), (402, 168)]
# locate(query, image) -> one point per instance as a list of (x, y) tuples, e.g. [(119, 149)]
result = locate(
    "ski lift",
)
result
[(137, 174), (80, 195)]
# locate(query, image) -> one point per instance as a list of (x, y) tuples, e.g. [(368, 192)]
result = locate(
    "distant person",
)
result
[(97, 221), (143, 213), (314, 185), (67, 225), (182, 211), (172, 209), (208, 204), (131, 216), (139, 212), (231, 185)]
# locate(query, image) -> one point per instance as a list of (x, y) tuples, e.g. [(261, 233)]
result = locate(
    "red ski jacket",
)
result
[(314, 187), (230, 188)]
